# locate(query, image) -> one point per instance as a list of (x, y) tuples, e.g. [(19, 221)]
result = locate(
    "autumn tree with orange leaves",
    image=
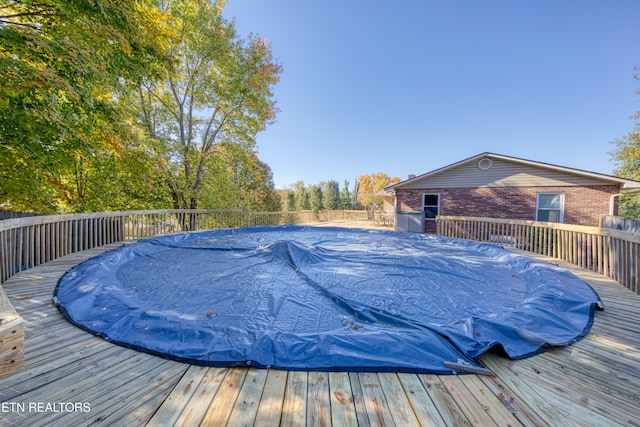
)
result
[(371, 186)]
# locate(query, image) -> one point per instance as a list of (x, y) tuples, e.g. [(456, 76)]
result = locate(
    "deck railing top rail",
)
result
[(13, 223), (613, 253), (598, 231)]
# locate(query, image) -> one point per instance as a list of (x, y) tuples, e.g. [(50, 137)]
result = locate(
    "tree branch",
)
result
[(208, 142), (45, 11)]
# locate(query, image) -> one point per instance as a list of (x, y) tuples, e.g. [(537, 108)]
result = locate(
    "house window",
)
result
[(550, 207), (431, 206)]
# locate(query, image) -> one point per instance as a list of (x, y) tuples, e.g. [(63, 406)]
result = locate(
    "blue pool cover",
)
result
[(316, 298)]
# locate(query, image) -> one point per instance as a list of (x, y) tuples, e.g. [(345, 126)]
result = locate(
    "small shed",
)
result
[(496, 186)]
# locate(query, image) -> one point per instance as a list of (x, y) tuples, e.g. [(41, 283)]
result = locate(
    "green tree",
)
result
[(332, 195), (627, 158), (290, 201), (353, 202), (236, 178), (315, 198), (303, 202), (63, 68), (218, 90)]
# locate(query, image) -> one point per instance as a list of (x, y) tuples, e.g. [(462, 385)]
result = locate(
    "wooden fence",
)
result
[(612, 253), (618, 223)]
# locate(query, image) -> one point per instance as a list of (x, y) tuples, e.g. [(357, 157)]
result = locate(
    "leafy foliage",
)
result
[(627, 157), (218, 90), (332, 195), (371, 186), (325, 195), (110, 104), (236, 178), (63, 65)]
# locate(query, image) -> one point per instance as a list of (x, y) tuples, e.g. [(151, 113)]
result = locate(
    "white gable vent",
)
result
[(485, 164)]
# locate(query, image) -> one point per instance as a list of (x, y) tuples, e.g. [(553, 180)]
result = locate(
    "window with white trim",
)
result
[(431, 206), (550, 207)]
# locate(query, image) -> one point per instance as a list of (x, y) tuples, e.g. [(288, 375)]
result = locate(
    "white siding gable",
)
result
[(502, 173)]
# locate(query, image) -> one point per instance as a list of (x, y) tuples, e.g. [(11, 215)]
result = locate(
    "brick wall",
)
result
[(582, 205)]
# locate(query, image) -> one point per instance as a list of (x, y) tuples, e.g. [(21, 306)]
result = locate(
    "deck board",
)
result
[(343, 410), (420, 401), (294, 411), (225, 399), (595, 381), (375, 402)]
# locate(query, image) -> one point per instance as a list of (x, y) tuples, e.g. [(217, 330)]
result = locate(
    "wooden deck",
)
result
[(73, 378)]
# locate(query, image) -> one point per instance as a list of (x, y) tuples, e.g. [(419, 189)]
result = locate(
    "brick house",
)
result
[(496, 186)]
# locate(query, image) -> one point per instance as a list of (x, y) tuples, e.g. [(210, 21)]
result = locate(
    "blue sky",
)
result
[(410, 86)]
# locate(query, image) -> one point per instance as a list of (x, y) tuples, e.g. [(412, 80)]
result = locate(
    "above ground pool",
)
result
[(305, 298)]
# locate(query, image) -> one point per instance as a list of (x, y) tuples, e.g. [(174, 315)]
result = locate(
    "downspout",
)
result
[(611, 203), (613, 196)]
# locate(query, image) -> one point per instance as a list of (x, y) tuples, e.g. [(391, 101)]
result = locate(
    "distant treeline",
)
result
[(328, 195)]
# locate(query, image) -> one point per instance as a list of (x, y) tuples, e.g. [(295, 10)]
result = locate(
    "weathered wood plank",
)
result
[(399, 405), (133, 401), (11, 345), (147, 403), (97, 369), (270, 409), (587, 371), (343, 412), (358, 400), (489, 402), (29, 380), (225, 399), (374, 400), (545, 408), (294, 408), (11, 337), (181, 394), (93, 381), (569, 404), (199, 403), (318, 406), (443, 401), (475, 412), (246, 407), (420, 401), (517, 406), (59, 344), (583, 395)]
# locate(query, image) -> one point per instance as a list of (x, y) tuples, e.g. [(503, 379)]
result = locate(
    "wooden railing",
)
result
[(618, 223), (31, 241), (12, 214), (612, 253), (28, 242)]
